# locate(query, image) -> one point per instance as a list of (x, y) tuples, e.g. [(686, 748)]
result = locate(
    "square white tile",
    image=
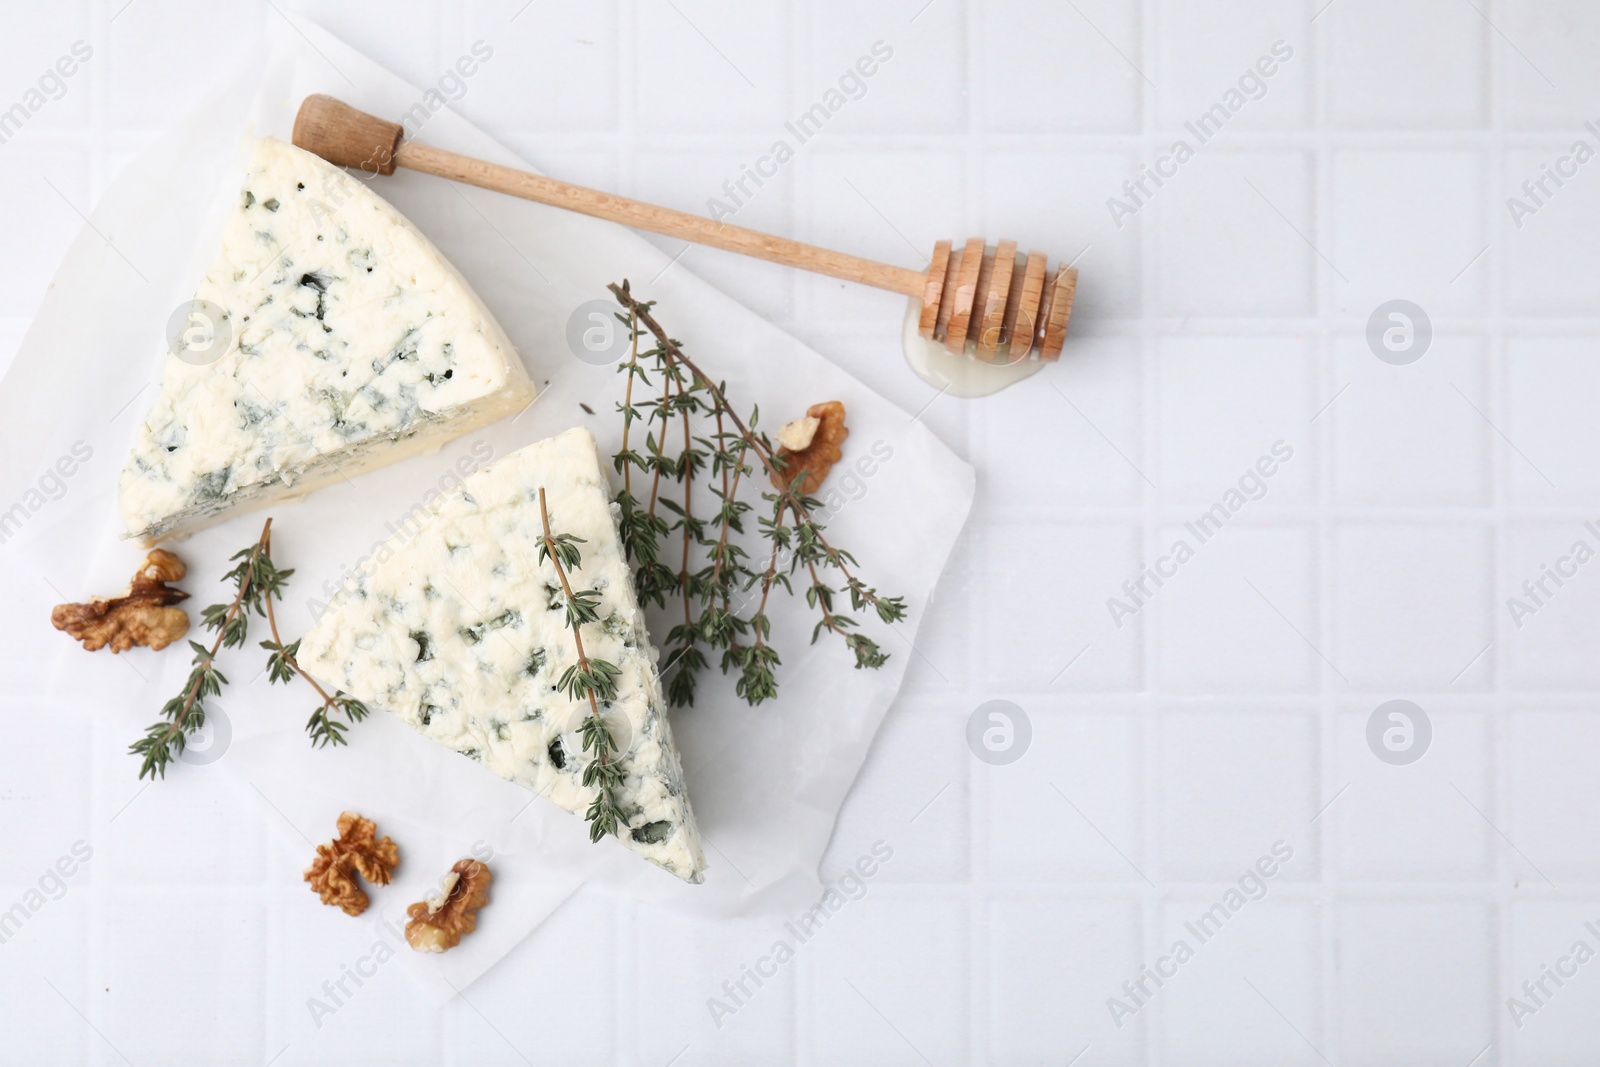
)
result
[(1221, 616), (1233, 782), (1232, 409), (1086, 648), (1416, 980), (1086, 53), (1414, 435), (1253, 58), (1069, 810), (1413, 606), (1261, 970), (1250, 210), (1413, 822), (1409, 225), (1377, 77), (900, 67), (1053, 970)]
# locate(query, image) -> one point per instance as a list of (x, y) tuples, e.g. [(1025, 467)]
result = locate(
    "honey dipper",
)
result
[(988, 296)]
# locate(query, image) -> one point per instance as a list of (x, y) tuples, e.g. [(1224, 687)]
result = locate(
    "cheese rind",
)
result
[(457, 627), (353, 344)]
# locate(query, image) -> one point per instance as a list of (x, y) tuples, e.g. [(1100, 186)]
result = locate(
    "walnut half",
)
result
[(439, 922), (143, 615), (822, 431), (358, 850)]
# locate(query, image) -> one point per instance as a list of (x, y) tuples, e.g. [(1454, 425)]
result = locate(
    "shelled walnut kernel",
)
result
[(439, 922), (358, 850)]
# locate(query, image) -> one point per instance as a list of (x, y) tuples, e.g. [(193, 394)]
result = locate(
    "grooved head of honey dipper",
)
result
[(996, 296), (345, 136)]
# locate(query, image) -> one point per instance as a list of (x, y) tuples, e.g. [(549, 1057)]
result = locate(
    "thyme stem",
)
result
[(688, 510), (727, 512), (592, 678), (627, 400), (272, 624), (283, 666), (772, 571), (222, 631), (661, 412), (566, 587)]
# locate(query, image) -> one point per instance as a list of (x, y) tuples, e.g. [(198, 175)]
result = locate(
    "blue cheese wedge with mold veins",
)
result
[(456, 626), (351, 343)]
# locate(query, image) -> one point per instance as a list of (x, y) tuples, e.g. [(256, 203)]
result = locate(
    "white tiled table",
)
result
[(1230, 713)]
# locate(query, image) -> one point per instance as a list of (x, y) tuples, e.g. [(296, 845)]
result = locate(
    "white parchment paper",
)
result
[(766, 782)]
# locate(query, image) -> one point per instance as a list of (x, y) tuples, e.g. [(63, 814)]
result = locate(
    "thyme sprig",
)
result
[(591, 679), (323, 728), (714, 574), (257, 581), (185, 714)]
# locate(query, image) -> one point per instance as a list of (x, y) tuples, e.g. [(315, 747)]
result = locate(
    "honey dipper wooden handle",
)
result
[(347, 137)]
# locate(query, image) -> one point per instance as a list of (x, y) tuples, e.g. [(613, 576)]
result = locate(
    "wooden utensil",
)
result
[(988, 296)]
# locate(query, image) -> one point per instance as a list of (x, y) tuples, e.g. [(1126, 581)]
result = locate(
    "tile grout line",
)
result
[(980, 979), (99, 110), (1497, 374), (1394, 139), (1330, 1037), (1150, 719)]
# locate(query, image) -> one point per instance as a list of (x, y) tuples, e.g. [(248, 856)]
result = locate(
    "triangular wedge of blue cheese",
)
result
[(457, 627), (339, 340)]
